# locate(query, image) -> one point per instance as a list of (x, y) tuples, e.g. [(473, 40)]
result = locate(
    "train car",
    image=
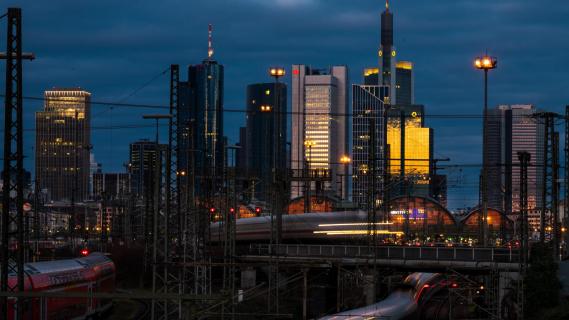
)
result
[(401, 304), (94, 273), (326, 226)]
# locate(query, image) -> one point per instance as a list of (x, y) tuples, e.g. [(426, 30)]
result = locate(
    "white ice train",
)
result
[(401, 304)]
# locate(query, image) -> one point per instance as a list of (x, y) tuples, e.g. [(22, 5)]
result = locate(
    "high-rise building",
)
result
[(387, 54), (368, 134), (371, 76), (404, 87), (266, 149), (200, 125), (111, 185), (63, 140), (510, 129), (241, 156), (319, 109), (410, 150), (141, 167)]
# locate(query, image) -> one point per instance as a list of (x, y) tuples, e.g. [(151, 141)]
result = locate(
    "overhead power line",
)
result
[(241, 110)]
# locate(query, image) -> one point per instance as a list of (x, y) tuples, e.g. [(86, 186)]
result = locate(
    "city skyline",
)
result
[(298, 159), (508, 85)]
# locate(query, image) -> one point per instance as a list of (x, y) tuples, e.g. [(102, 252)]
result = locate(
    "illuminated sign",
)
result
[(415, 213)]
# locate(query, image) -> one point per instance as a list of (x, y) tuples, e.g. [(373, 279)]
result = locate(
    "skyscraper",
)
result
[(111, 185), (368, 132), (241, 156), (200, 124), (141, 167), (511, 128), (319, 106), (265, 150), (387, 54), (411, 150), (404, 87), (63, 140)]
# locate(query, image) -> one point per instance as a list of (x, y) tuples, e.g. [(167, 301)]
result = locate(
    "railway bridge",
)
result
[(406, 257)]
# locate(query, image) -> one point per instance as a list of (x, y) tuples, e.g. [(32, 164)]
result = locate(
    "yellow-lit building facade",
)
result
[(415, 156)]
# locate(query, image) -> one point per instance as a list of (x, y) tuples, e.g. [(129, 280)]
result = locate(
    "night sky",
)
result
[(112, 48)]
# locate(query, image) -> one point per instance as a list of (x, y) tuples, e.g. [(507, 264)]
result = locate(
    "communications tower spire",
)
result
[(210, 41), (387, 54)]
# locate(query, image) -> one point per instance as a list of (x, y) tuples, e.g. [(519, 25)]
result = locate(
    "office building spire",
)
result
[(210, 41), (387, 53)]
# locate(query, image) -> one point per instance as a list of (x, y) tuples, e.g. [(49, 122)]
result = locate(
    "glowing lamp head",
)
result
[(277, 72), (266, 108), (84, 252), (485, 63), (345, 160), (309, 143)]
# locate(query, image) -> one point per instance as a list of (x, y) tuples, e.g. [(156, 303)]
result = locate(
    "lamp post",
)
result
[(485, 63), (308, 182), (344, 160), (278, 155)]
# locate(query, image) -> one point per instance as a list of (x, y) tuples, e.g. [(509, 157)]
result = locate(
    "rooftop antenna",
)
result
[(210, 41)]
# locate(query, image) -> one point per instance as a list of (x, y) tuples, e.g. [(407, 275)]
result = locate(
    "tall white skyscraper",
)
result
[(320, 109)]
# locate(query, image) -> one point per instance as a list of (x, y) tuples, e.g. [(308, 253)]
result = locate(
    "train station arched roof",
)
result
[(318, 203), (419, 208), (496, 219)]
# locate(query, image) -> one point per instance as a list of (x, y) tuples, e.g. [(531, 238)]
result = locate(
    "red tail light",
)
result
[(84, 252)]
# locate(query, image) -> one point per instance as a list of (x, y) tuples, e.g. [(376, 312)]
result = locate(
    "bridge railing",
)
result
[(469, 254)]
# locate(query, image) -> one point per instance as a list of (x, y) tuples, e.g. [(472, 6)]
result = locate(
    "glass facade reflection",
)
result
[(410, 150)]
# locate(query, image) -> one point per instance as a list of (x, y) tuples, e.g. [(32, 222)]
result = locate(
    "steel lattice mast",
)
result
[(166, 275), (13, 169)]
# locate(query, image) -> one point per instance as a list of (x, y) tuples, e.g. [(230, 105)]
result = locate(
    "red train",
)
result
[(93, 273)]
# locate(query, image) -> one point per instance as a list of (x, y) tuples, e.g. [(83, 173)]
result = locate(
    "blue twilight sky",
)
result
[(112, 47)]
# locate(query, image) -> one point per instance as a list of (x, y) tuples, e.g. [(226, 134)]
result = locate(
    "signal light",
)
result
[(212, 210), (257, 210), (454, 285), (84, 252), (231, 210)]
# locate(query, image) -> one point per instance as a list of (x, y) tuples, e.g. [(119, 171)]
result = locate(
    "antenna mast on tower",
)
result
[(210, 41)]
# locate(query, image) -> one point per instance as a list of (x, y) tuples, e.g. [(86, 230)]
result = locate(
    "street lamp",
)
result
[(485, 63), (279, 149), (277, 72), (307, 174), (345, 160), (309, 144)]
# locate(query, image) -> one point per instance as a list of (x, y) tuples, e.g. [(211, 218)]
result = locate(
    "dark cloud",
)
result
[(112, 47)]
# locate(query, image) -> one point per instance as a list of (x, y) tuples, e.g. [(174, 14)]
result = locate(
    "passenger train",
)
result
[(403, 303), (309, 226), (93, 273)]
